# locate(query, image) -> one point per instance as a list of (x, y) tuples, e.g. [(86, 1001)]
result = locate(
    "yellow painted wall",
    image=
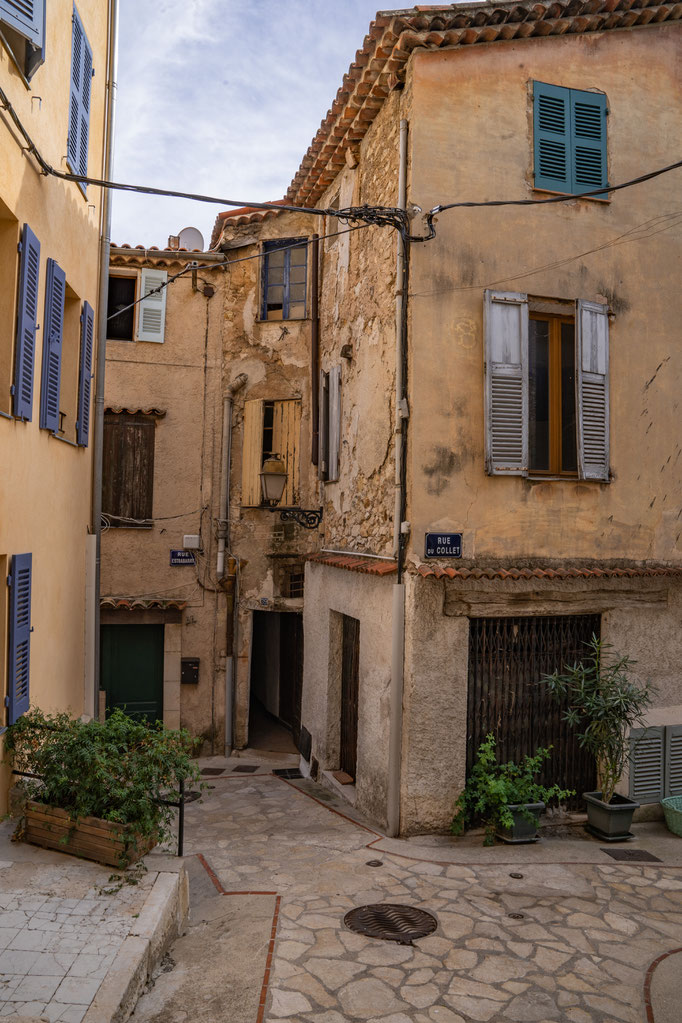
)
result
[(45, 492), (470, 116)]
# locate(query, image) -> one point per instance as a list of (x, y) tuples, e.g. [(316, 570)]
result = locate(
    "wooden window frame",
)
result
[(555, 416), (274, 245)]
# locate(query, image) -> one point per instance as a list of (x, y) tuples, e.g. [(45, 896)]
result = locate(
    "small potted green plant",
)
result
[(506, 797), (604, 704), (98, 788)]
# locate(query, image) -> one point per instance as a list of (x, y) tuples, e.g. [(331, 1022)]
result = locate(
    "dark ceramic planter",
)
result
[(609, 822), (523, 830)]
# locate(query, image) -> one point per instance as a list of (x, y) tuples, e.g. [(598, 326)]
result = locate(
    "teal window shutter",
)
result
[(85, 373), (17, 699), (55, 289), (29, 270), (552, 137), (588, 140), (673, 760), (647, 782), (26, 17), (569, 138), (79, 101)]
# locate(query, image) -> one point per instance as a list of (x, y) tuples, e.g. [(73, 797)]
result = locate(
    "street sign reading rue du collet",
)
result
[(443, 545)]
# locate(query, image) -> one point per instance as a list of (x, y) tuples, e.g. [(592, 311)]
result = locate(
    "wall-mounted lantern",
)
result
[(273, 480)]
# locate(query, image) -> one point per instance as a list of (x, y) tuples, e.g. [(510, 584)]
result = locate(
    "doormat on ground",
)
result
[(245, 769), (287, 772), (632, 855), (212, 770)]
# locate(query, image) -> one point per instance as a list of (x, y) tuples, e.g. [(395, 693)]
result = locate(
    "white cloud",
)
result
[(222, 97)]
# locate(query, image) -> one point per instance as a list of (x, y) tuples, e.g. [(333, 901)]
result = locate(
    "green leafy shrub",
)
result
[(117, 770), (603, 705), (492, 788)]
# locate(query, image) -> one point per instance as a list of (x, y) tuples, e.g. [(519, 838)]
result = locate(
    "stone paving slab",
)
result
[(570, 941), (66, 929)]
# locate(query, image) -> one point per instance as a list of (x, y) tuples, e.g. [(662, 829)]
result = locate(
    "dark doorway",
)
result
[(276, 681), (507, 659), (350, 655), (132, 669)]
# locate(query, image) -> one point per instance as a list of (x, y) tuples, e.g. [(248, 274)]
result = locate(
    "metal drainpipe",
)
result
[(104, 247), (224, 507), (315, 348), (398, 609)]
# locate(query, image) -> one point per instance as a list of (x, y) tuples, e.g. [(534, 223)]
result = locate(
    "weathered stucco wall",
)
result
[(46, 484), (357, 308), (471, 139), (275, 356), (182, 377), (331, 593)]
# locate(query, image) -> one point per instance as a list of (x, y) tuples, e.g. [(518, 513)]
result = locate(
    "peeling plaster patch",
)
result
[(249, 310)]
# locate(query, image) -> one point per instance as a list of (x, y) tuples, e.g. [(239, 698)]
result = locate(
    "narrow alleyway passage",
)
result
[(550, 933)]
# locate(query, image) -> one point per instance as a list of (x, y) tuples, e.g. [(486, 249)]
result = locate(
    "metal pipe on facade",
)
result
[(223, 526), (398, 607), (104, 255), (315, 349)]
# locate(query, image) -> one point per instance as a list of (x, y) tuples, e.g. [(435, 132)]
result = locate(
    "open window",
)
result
[(546, 387), (136, 309), (284, 279)]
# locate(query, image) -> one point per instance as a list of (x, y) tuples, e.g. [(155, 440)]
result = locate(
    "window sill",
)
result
[(147, 525), (297, 319), (548, 478), (573, 195), (64, 440)]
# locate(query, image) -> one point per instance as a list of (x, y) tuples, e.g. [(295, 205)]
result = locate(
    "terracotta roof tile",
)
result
[(137, 604), (565, 572), (242, 215), (381, 63), (355, 563)]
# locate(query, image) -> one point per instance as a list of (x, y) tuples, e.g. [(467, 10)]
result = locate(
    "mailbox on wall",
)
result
[(189, 670)]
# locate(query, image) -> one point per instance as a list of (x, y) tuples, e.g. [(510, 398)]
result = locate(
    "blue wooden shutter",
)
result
[(85, 373), (29, 269), (673, 760), (27, 17), (55, 288), (79, 102), (552, 137), (588, 140), (647, 764), (17, 699)]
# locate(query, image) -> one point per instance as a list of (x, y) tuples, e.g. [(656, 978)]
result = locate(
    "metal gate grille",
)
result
[(507, 658)]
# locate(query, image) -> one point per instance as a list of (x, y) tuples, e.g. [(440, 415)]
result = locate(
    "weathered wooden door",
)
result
[(350, 652), (507, 659), (132, 669)]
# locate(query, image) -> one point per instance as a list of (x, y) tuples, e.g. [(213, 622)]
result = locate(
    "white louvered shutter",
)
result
[(151, 317), (592, 389), (334, 422), (647, 764), (506, 383), (673, 760)]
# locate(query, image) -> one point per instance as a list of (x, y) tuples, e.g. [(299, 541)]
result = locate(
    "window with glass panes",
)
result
[(284, 279), (551, 395)]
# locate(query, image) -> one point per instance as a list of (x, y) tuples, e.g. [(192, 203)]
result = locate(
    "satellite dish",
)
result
[(191, 238)]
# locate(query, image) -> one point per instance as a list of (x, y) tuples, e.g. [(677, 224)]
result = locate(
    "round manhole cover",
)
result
[(391, 922)]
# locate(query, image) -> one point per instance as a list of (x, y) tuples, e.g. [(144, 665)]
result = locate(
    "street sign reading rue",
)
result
[(182, 558), (443, 545)]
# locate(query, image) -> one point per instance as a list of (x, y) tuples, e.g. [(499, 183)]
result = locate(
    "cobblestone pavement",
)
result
[(59, 931), (564, 942)]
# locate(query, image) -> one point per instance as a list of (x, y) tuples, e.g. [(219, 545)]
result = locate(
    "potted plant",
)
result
[(506, 797), (603, 703), (97, 789)]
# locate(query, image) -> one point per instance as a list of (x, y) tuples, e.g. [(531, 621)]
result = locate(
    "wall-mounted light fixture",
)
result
[(273, 480)]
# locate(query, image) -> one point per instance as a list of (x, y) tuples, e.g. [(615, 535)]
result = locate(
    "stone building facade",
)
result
[(535, 396)]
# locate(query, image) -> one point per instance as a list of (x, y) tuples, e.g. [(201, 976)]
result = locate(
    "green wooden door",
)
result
[(132, 669)]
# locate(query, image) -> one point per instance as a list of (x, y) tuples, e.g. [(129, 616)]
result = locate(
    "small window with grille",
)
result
[(295, 581)]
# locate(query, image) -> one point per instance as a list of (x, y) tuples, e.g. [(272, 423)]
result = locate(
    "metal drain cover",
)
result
[(287, 772), (391, 922), (190, 797), (244, 768), (632, 855), (209, 771)]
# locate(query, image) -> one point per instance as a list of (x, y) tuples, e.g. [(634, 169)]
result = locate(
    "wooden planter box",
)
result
[(88, 837)]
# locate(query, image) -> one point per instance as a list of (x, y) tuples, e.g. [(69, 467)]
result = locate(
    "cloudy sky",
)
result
[(222, 97)]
